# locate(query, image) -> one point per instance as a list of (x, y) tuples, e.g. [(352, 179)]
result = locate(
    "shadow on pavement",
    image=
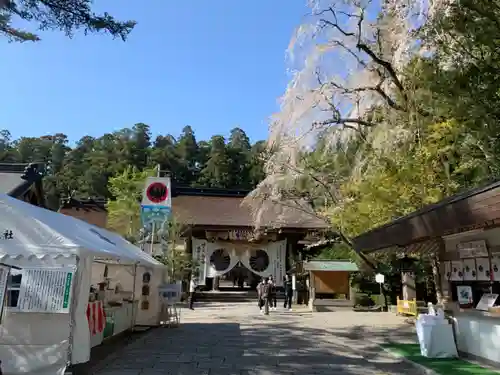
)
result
[(262, 347)]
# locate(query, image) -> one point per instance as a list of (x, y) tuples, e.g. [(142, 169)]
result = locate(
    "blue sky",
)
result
[(212, 64)]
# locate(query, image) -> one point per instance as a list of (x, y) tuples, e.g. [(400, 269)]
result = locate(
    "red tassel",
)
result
[(100, 318), (94, 318)]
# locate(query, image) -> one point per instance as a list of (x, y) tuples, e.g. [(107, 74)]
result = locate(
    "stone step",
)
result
[(215, 296)]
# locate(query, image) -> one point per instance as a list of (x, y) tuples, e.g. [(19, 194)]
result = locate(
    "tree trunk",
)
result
[(436, 277)]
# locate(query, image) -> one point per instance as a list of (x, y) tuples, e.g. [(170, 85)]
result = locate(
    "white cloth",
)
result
[(435, 337), (210, 270), (192, 286)]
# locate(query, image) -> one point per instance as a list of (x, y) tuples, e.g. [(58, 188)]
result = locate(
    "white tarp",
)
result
[(435, 336), (40, 232), (31, 237)]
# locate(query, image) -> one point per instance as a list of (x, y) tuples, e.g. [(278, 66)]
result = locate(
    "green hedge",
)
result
[(365, 300)]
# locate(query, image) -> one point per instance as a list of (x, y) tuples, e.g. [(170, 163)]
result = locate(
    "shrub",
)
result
[(363, 300)]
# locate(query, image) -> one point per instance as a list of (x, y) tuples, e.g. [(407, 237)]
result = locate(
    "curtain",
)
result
[(233, 259), (245, 260), (276, 251)]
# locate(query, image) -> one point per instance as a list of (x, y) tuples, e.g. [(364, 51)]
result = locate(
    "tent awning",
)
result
[(27, 231)]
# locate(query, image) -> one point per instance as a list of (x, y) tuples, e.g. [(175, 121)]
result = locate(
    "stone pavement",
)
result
[(235, 339)]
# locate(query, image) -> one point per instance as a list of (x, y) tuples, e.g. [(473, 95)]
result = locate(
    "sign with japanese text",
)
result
[(7, 234), (473, 249), (171, 293), (46, 290)]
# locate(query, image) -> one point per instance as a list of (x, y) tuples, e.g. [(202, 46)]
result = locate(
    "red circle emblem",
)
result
[(157, 192)]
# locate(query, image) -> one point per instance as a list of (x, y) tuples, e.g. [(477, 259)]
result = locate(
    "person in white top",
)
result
[(192, 292)]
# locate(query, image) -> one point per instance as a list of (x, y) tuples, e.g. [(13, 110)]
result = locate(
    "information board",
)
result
[(171, 293), (486, 301), (46, 290), (464, 293), (4, 275)]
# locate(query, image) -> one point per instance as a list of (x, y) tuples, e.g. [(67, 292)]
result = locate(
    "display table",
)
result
[(478, 334), (119, 318)]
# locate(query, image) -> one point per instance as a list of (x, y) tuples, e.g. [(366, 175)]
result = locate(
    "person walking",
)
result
[(192, 292), (288, 292), (265, 292), (259, 294), (272, 293)]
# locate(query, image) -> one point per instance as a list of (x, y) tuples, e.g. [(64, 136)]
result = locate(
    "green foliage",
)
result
[(340, 251), (64, 15), (121, 158), (436, 166), (178, 262), (363, 300), (124, 207), (430, 133)]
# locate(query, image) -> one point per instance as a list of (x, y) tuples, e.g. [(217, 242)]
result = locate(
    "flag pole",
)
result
[(153, 223)]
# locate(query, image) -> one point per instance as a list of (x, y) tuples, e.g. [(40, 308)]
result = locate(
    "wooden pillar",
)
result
[(409, 291), (312, 291), (189, 251), (189, 242)]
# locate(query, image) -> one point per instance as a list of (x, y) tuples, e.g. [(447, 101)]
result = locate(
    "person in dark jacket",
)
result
[(264, 293), (288, 292), (259, 294)]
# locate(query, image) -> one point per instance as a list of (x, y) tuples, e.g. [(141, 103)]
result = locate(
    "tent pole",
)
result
[(158, 172), (151, 249), (134, 307), (76, 285)]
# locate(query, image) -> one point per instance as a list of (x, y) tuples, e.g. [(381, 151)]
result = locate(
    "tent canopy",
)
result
[(27, 231)]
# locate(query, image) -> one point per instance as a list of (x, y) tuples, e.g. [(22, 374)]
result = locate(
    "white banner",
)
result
[(46, 290), (199, 259), (4, 275), (279, 261)]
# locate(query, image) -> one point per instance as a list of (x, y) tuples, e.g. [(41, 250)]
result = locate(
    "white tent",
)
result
[(33, 237)]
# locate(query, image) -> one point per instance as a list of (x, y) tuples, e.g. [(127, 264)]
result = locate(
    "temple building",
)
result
[(23, 181), (219, 232)]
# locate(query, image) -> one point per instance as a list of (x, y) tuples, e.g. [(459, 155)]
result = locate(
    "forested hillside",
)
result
[(84, 169)]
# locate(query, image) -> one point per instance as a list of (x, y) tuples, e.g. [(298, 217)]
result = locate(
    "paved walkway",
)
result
[(237, 340)]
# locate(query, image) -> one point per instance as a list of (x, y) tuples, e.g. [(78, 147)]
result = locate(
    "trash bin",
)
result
[(109, 327), (435, 336)]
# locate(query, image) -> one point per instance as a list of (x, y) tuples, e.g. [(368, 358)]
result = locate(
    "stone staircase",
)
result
[(227, 296)]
